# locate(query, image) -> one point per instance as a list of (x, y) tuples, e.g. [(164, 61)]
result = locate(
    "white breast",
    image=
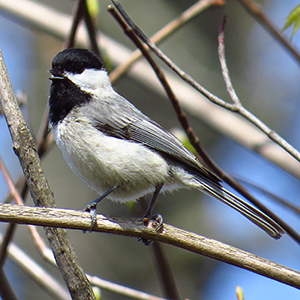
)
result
[(103, 162)]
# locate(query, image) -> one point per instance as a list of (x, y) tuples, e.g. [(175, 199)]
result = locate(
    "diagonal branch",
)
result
[(23, 145), (29, 266), (74, 219), (77, 13), (37, 273), (223, 121), (185, 123), (257, 13), (271, 134), (169, 29), (231, 91), (44, 138)]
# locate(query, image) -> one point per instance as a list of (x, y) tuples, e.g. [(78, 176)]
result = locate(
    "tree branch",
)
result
[(193, 11), (271, 134), (257, 13), (234, 97), (37, 273), (23, 144), (221, 120), (127, 24), (28, 265), (74, 219)]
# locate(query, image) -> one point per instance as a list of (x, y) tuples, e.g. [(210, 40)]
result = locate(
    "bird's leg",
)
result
[(92, 206), (148, 216)]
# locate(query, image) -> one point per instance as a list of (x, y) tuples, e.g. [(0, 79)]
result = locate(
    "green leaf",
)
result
[(93, 8), (293, 19)]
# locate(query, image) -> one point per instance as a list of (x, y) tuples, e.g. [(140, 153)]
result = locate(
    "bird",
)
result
[(120, 152)]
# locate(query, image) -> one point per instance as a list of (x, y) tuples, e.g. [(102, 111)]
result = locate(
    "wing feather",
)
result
[(137, 127)]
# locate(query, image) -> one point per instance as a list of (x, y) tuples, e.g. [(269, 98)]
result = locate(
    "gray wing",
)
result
[(154, 136), (133, 125), (122, 120)]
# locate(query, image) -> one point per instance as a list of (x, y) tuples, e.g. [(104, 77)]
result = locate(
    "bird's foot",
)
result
[(92, 209), (155, 221)]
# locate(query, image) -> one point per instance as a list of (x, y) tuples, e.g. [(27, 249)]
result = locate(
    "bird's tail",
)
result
[(250, 212)]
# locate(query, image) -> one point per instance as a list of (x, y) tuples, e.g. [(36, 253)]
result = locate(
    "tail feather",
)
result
[(250, 212)]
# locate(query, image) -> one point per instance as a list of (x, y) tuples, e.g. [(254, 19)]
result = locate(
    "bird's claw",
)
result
[(156, 222), (92, 209)]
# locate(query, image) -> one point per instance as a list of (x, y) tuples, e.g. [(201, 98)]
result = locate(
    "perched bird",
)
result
[(117, 150)]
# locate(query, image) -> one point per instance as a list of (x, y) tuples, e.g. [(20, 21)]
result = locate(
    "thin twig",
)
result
[(231, 91), (216, 117), (184, 121), (9, 232), (225, 72), (92, 32), (77, 219), (271, 134), (37, 273), (275, 197), (10, 183), (257, 13), (166, 277), (11, 227), (172, 27), (171, 64), (24, 147), (6, 291), (78, 10)]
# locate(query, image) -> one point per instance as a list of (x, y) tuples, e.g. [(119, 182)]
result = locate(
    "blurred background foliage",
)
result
[(266, 79)]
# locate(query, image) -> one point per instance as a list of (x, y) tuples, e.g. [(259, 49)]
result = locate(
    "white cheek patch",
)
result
[(90, 79)]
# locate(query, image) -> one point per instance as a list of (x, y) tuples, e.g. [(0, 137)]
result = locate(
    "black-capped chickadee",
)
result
[(117, 150)]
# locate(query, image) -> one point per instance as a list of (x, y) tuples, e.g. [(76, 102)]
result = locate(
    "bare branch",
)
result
[(164, 272), (23, 144), (37, 273), (225, 71), (121, 289), (256, 12), (271, 134), (193, 11), (74, 219), (221, 120), (221, 50), (125, 23)]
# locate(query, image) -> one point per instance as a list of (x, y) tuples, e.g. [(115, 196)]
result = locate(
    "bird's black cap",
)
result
[(64, 94), (76, 60)]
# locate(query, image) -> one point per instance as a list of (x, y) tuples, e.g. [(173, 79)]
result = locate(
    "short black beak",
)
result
[(56, 74)]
